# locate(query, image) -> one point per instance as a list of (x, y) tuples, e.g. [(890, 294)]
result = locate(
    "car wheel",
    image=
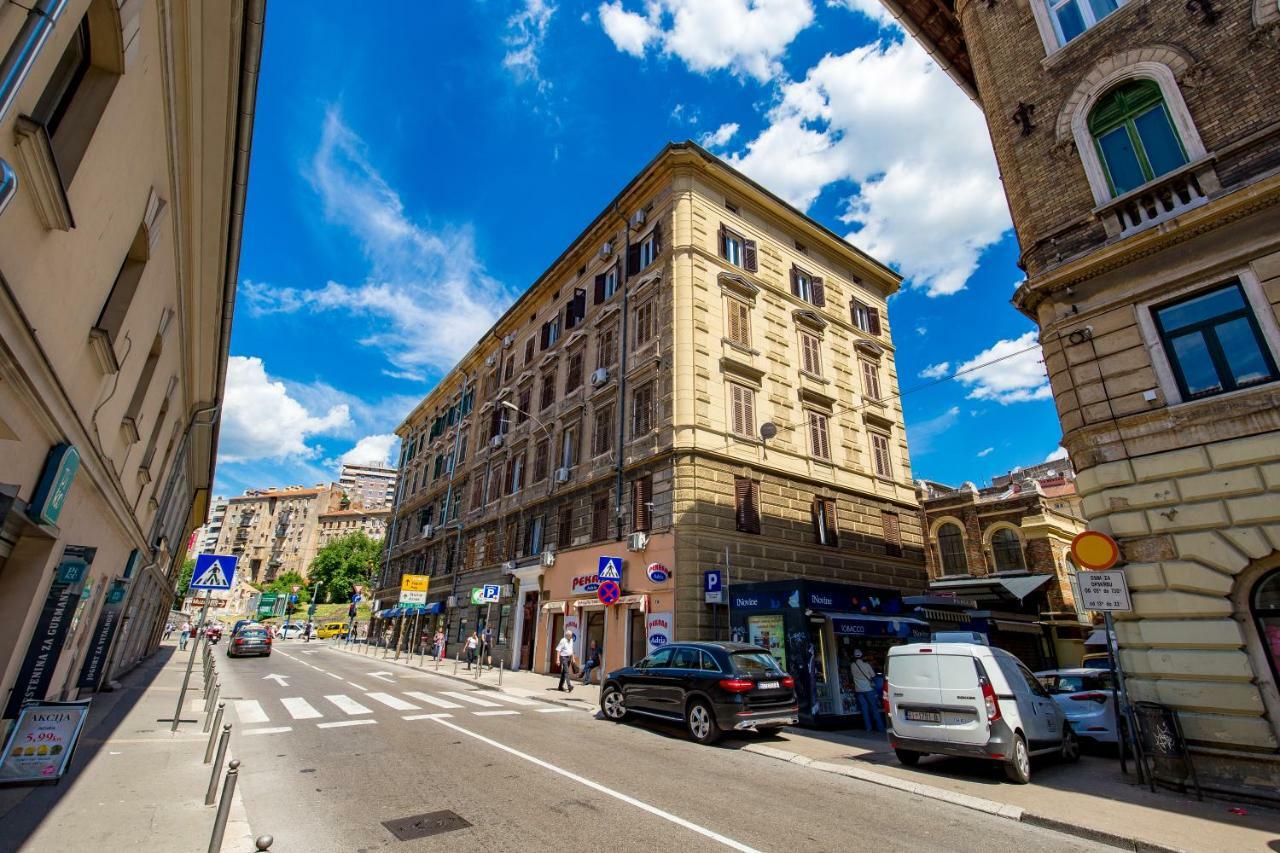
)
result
[(1070, 746), (907, 757), (1018, 769), (701, 722), (613, 704)]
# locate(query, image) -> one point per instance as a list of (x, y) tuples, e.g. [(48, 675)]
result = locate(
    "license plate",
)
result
[(769, 685), (923, 716)]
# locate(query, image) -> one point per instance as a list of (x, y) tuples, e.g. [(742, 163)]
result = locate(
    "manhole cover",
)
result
[(423, 825)]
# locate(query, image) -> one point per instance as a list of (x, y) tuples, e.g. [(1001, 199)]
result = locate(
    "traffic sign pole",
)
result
[(191, 662)]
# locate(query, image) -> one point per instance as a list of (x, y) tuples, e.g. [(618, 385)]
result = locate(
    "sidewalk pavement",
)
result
[(132, 785), (1091, 799)]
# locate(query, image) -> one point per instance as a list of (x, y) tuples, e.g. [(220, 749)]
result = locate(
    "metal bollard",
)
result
[(263, 842), (213, 724), (456, 661), (224, 806), (212, 697), (217, 765), (501, 666)]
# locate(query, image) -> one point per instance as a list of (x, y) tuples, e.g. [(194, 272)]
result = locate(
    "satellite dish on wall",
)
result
[(768, 430)]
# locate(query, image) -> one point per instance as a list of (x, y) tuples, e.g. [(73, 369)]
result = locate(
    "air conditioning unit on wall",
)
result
[(637, 541), (562, 475), (495, 442), (599, 376), (428, 531), (637, 219), (508, 340), (548, 558), (606, 250), (509, 566), (490, 361)]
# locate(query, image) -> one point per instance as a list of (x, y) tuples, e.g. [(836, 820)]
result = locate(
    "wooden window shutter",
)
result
[(600, 518), (746, 496), (546, 334), (633, 259), (892, 533), (657, 238), (735, 327), (748, 412), (724, 251), (600, 288), (833, 525), (795, 281), (641, 495), (749, 256), (819, 292), (873, 321)]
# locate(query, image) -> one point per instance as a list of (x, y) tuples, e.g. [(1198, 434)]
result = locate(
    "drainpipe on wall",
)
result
[(622, 371), (41, 18)]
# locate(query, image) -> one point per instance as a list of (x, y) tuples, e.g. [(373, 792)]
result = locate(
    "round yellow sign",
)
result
[(1094, 550)]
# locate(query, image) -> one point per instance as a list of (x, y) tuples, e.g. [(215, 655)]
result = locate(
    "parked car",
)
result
[(1096, 660), (974, 701), (331, 629), (1085, 697), (290, 630), (710, 687), (251, 640)]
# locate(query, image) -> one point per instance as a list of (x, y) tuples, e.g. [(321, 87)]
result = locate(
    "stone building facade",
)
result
[(125, 130), (352, 519), (369, 486), (1141, 157), (704, 374), (274, 531)]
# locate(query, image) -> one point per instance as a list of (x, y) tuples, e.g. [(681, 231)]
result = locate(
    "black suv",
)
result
[(710, 687)]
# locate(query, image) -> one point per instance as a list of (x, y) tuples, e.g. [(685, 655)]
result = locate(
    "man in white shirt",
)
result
[(564, 650), (864, 690)]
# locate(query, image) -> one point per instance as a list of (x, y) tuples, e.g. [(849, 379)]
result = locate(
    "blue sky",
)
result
[(413, 173)]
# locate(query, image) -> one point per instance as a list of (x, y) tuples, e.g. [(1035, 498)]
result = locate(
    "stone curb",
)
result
[(991, 807)]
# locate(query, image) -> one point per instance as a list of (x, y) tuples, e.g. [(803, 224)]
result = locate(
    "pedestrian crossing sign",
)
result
[(610, 569), (213, 571)]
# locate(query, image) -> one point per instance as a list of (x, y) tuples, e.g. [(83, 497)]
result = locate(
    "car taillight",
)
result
[(1100, 698), (737, 685), (993, 704), (239, 641), (788, 681), (884, 697)]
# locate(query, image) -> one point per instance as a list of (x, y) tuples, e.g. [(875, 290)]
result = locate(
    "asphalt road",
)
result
[(336, 745)]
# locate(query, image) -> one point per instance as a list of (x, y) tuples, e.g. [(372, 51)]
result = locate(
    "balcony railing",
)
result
[(1160, 200)]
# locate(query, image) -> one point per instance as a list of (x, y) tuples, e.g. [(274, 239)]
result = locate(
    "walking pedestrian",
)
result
[(168, 629), (486, 640), (564, 650), (864, 690), (439, 644), (183, 635), (591, 661), (473, 643)]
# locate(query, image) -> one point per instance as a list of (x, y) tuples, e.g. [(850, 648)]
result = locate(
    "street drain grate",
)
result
[(424, 825)]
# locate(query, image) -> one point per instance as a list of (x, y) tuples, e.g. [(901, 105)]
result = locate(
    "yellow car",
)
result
[(331, 629)]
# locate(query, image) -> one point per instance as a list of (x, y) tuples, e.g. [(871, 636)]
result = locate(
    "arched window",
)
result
[(1134, 135), (1266, 614), (1007, 548), (951, 550)]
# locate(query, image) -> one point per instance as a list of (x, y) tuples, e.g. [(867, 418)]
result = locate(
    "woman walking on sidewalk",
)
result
[(473, 643), (438, 642), (182, 637)]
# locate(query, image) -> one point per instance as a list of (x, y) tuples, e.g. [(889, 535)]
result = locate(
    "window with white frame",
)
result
[(1134, 135), (1070, 18)]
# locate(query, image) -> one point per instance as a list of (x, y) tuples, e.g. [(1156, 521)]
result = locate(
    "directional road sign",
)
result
[(213, 571), (610, 569)]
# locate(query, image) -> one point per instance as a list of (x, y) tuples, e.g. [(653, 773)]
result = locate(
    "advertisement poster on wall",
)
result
[(573, 623), (657, 630), (767, 632)]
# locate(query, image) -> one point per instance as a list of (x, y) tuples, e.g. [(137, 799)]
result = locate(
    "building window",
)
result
[(510, 368), (551, 332), (738, 250), (642, 505), (1072, 17), (515, 472), (810, 354), (642, 410), (477, 493), (1214, 343), (1265, 605), (573, 375), (738, 318), (534, 544), (548, 390), (524, 401), (1134, 135), (824, 521), (951, 550), (606, 284), (648, 250), (746, 499), (819, 443), (865, 317), (642, 254), (564, 527), (808, 287), (644, 323), (606, 347), (870, 380), (602, 432), (892, 528), (600, 517), (742, 406), (541, 459), (528, 352), (1006, 547), (880, 455), (569, 447)]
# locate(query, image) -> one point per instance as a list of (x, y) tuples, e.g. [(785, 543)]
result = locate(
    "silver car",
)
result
[(1084, 695)]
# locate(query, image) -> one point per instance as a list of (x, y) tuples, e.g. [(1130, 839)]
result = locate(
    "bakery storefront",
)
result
[(813, 628), (639, 621)]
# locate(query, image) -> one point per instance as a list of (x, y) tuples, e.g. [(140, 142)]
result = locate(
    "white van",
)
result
[(974, 701)]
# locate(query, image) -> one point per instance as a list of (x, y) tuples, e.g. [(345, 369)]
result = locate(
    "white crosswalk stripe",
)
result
[(300, 709), (515, 700), (484, 703), (392, 702), (250, 711), (341, 723), (279, 730), (431, 700), (347, 704), (507, 713)]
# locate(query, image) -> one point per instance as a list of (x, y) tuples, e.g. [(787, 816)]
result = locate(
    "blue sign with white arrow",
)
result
[(213, 572), (610, 569)]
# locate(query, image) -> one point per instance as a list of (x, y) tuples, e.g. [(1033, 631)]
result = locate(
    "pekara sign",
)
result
[(584, 584), (657, 628), (41, 743)]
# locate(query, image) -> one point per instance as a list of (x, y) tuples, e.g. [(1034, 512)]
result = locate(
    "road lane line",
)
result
[(484, 703), (275, 731), (334, 675), (555, 710), (347, 704), (431, 700), (250, 711), (341, 723), (392, 702), (609, 792), (300, 709), (427, 717), (358, 687), (496, 713)]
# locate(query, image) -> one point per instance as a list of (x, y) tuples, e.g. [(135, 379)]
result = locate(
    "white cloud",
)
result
[(873, 9), (745, 37), (371, 450), (526, 33), (922, 434), (1060, 453), (427, 297), (1009, 371), (407, 375), (261, 420), (922, 330), (928, 201), (936, 371), (685, 113), (986, 452), (719, 136)]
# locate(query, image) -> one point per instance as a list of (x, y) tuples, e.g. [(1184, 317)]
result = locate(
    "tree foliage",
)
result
[(343, 563), (285, 583), (184, 581)]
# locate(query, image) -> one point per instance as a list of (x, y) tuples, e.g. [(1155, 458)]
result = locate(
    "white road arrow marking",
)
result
[(279, 679), (385, 676)]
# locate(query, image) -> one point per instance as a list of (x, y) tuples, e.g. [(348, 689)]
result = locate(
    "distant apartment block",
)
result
[(274, 531), (368, 486)]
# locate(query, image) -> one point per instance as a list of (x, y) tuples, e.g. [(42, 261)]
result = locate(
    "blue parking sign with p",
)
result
[(213, 572), (712, 580)]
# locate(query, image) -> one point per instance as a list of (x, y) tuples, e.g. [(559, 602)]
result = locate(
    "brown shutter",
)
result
[(641, 494), (633, 259), (723, 251), (892, 533), (657, 238), (564, 528), (746, 494), (569, 319), (749, 255), (748, 412), (795, 281), (814, 508), (833, 526), (600, 288), (873, 320), (600, 518), (815, 441), (819, 292)]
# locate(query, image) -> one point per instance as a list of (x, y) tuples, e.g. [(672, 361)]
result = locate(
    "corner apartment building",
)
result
[(125, 130), (341, 522), (1139, 145), (369, 486), (274, 531), (703, 379)]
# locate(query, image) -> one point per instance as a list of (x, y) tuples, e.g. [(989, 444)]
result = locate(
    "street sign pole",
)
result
[(191, 662)]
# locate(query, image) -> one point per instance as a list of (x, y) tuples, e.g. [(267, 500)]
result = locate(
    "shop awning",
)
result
[(992, 589), (867, 625), (937, 615), (553, 607), (1015, 627), (1098, 638)]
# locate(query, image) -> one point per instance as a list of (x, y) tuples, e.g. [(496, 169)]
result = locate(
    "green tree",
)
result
[(342, 564), (184, 581), (285, 583)]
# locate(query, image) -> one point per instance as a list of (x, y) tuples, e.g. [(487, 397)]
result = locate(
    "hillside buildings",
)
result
[(368, 486), (703, 379), (1139, 144), (338, 523), (125, 131), (274, 531)]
